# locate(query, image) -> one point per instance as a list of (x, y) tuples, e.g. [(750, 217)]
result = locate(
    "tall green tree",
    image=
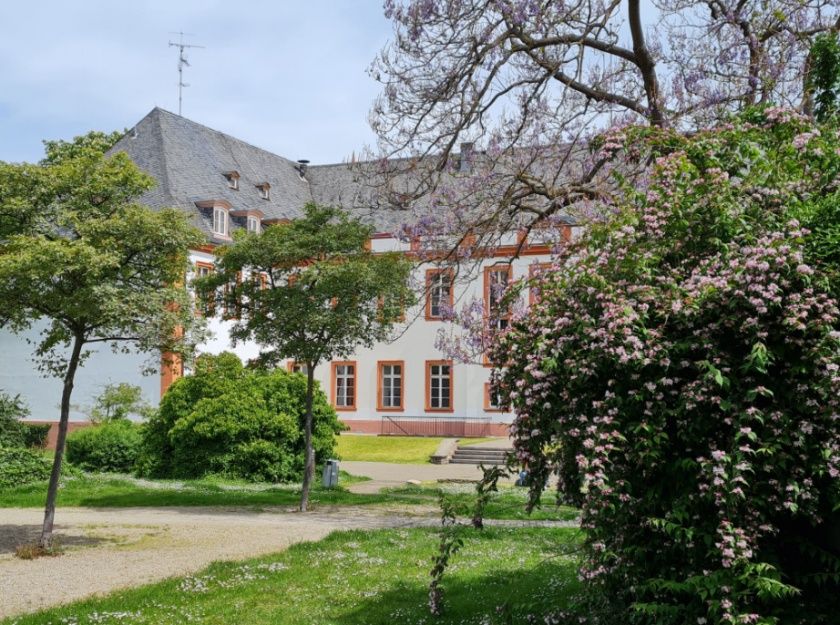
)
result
[(118, 401), (78, 253), (824, 75), (310, 291)]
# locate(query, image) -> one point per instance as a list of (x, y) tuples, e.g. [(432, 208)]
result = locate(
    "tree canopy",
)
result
[(511, 93), (309, 290), (78, 253)]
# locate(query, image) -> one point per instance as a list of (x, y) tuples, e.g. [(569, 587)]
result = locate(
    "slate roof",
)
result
[(189, 161)]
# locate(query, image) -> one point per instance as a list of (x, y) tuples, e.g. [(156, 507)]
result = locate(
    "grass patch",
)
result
[(508, 503), (121, 491), (101, 490), (32, 551), (355, 578), (397, 449)]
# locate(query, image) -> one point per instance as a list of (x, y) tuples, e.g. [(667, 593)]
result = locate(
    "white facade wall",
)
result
[(413, 344)]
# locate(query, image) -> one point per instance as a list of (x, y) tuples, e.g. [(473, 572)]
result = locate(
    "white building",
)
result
[(403, 386)]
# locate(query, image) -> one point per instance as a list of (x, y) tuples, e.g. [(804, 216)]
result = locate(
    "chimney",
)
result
[(465, 166), (302, 163)]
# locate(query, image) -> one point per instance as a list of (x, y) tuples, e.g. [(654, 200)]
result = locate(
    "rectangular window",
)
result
[(230, 299), (391, 376), (492, 400), (344, 385), (533, 271), (395, 307), (253, 225), (439, 295), (496, 282), (204, 306), (220, 221), (439, 386), (297, 367)]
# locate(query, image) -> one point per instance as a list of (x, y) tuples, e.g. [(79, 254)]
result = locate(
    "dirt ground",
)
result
[(108, 549)]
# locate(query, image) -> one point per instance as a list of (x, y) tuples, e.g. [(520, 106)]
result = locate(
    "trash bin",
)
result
[(330, 475)]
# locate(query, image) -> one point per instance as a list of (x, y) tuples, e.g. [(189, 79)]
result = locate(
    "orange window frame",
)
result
[(380, 304), (291, 364), (488, 285), (428, 390), (533, 271), (209, 307), (380, 386), (334, 378), (231, 309), (488, 406), (430, 275)]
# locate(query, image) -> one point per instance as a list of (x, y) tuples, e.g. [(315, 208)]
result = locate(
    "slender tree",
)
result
[(81, 257), (309, 290)]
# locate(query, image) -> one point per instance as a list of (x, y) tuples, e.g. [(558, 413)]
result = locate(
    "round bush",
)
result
[(230, 420), (110, 447), (19, 466)]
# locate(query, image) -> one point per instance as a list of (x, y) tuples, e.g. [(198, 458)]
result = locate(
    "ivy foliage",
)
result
[(228, 419), (19, 466), (12, 429), (680, 374)]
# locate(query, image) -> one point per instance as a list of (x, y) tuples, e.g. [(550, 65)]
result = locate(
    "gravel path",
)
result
[(108, 549), (389, 475)]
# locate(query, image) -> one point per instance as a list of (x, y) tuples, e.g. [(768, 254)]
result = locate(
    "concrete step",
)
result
[(479, 455), (461, 454), (477, 461), (481, 452)]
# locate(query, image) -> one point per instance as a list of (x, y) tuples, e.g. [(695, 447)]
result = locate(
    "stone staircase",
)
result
[(479, 455)]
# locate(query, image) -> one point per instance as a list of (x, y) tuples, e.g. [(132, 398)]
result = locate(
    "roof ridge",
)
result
[(161, 137), (223, 134)]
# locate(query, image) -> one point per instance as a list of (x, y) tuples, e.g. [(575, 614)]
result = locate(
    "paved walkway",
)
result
[(387, 475), (108, 549)]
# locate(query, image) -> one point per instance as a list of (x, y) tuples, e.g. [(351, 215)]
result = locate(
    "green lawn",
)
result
[(122, 491), (119, 491), (399, 449), (501, 576)]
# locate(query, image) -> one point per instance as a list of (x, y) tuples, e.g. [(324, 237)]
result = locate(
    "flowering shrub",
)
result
[(680, 373)]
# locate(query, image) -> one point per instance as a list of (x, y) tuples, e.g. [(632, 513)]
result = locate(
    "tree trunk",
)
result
[(309, 470), (49, 510)]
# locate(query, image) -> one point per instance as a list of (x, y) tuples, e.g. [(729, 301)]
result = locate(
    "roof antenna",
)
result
[(182, 60)]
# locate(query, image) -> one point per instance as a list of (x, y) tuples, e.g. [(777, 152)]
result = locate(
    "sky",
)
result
[(287, 76)]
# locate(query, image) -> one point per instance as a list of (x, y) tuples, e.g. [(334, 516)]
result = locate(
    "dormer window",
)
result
[(220, 221), (253, 224), (232, 179), (264, 188)]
